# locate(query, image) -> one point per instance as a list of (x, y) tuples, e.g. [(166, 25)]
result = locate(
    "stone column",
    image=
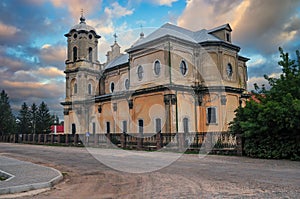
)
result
[(167, 109)]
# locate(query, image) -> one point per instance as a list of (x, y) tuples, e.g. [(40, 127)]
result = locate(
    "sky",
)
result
[(33, 46)]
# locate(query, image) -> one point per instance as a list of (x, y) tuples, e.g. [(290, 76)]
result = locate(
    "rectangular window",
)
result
[(73, 128), (158, 125), (185, 125), (124, 126), (141, 126), (227, 37), (211, 114), (107, 127), (94, 128)]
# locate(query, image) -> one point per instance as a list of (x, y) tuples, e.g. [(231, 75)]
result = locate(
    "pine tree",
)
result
[(7, 119), (24, 118), (44, 119), (33, 116)]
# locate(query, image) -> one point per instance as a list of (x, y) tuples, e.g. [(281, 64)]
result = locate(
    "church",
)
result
[(173, 80)]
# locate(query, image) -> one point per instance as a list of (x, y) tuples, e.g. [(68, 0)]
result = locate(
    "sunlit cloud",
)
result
[(7, 30)]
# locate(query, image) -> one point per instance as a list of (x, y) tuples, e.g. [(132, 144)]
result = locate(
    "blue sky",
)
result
[(33, 46)]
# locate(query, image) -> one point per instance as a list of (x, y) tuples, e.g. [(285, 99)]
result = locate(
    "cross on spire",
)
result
[(115, 36), (82, 19)]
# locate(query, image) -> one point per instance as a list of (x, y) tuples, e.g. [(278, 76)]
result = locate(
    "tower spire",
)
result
[(115, 36), (142, 33), (82, 18)]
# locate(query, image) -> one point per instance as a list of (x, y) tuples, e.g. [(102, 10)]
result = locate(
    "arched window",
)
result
[(90, 54), (185, 125), (75, 53), (112, 87), (183, 68), (156, 67), (75, 88), (140, 72), (141, 127), (90, 89)]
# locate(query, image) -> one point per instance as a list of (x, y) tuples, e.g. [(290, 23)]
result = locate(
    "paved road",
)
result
[(25, 176), (187, 177)]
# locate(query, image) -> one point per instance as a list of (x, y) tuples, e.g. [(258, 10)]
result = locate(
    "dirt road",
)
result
[(187, 177)]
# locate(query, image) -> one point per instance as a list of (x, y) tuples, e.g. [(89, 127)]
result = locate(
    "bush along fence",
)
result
[(208, 142)]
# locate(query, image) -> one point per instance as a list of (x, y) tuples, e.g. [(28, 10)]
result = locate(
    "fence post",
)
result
[(108, 136), (159, 141), (140, 142), (67, 138), (239, 144), (123, 140), (76, 138), (58, 138), (96, 139)]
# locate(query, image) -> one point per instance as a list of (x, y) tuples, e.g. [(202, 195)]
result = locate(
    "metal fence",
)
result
[(209, 142)]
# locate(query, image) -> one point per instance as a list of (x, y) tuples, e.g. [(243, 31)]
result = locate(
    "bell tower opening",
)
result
[(74, 54)]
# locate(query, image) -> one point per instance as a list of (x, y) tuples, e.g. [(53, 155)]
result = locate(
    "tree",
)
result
[(24, 118), (44, 119), (271, 126), (33, 116), (7, 119)]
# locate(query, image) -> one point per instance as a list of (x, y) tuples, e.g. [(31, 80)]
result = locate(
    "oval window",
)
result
[(157, 67), (140, 72), (127, 84), (112, 87), (183, 68)]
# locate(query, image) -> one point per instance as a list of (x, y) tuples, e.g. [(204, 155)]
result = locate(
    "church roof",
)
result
[(121, 59), (225, 26), (177, 32)]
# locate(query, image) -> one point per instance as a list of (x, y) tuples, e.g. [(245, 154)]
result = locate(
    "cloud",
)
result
[(117, 11), (7, 30), (53, 55), (74, 7), (105, 23), (257, 24), (164, 2)]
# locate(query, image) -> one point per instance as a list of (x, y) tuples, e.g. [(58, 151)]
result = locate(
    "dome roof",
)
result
[(82, 26)]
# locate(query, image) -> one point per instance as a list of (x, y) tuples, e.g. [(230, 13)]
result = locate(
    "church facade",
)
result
[(171, 81)]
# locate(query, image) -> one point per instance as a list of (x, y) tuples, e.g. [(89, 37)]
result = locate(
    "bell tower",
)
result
[(83, 70)]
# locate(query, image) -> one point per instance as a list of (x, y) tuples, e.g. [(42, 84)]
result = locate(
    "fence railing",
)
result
[(209, 142)]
